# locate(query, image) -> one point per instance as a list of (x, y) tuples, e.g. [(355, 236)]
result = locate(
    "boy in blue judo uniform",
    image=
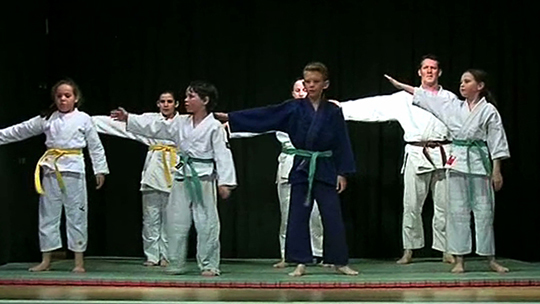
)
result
[(323, 159)]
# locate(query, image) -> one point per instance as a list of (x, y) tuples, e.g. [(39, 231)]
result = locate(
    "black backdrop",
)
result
[(126, 53)]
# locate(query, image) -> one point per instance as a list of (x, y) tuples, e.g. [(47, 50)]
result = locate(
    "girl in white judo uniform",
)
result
[(67, 132), (156, 179), (205, 159), (479, 144), (285, 163)]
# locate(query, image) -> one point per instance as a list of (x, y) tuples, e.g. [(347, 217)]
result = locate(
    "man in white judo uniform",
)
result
[(474, 167), (427, 141)]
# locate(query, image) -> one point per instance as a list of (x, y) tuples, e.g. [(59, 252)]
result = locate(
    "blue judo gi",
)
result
[(323, 130)]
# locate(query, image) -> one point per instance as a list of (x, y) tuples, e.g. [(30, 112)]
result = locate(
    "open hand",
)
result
[(223, 117), (119, 114), (399, 85), (394, 82)]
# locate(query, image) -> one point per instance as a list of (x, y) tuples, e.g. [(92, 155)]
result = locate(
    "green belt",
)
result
[(312, 155), (193, 182), (477, 145)]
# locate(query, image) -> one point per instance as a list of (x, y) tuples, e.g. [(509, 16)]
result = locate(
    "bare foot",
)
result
[(346, 270), (448, 258), (43, 266), (299, 271), (163, 263), (497, 267), (281, 264), (209, 273), (149, 263), (406, 258), (458, 268), (79, 263), (78, 269)]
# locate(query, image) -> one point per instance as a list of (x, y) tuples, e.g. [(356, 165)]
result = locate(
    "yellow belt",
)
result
[(172, 159), (56, 153)]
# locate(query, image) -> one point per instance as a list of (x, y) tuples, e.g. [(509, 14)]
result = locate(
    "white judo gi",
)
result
[(478, 138), (156, 183), (205, 160), (285, 163), (423, 165), (63, 181)]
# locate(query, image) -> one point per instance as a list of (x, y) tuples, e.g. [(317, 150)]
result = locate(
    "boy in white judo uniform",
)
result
[(205, 160)]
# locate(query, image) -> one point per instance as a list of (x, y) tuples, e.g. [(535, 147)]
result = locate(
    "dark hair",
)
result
[(431, 57), (76, 91), (295, 80), (481, 76), (169, 92), (317, 67), (205, 89)]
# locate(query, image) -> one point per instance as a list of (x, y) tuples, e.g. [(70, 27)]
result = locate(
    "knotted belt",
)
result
[(164, 149), (56, 153), (312, 155), (432, 144), (193, 182), (486, 162)]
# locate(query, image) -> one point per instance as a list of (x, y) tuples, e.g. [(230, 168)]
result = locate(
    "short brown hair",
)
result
[(430, 57), (317, 67)]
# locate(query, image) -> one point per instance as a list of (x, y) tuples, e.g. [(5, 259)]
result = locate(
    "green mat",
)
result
[(259, 273)]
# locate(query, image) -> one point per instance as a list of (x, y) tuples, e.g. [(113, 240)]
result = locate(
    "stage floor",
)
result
[(259, 273), (126, 280)]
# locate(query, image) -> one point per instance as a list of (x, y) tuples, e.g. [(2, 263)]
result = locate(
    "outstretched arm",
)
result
[(399, 85), (263, 119), (120, 114), (390, 107), (445, 108), (241, 134), (146, 125), (22, 131), (381, 108), (223, 117), (107, 125)]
